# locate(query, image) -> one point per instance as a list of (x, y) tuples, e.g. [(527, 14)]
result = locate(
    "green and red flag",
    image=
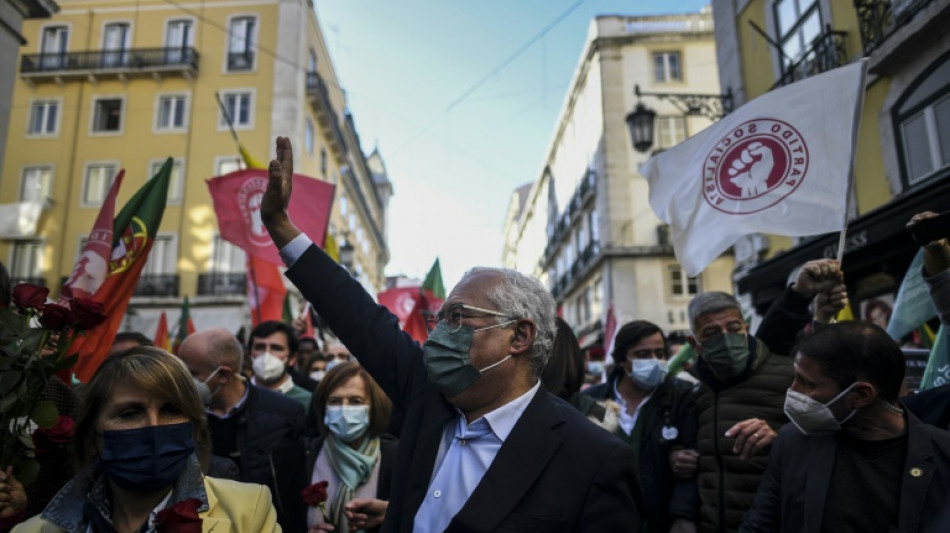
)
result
[(162, 340), (288, 314), (134, 232), (433, 281), (185, 325)]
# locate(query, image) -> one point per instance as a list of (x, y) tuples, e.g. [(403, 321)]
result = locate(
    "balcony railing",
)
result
[(222, 284), (32, 280), (826, 53), (157, 285), (326, 115), (241, 60), (99, 63), (879, 19)]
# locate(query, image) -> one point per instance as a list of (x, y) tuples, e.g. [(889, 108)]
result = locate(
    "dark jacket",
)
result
[(671, 406), (727, 483), (270, 450), (555, 472), (388, 448), (792, 495)]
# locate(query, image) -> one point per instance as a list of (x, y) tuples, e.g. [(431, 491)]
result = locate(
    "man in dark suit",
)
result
[(482, 448), (852, 458)]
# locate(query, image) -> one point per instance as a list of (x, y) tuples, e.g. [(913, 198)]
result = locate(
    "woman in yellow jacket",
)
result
[(142, 443)]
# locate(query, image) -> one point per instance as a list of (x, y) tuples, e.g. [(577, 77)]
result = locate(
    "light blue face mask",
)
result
[(648, 373), (347, 422)]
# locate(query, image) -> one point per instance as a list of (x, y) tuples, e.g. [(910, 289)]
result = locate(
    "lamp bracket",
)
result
[(711, 106)]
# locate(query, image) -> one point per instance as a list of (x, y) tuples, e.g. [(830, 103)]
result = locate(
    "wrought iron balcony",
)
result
[(879, 19), (157, 285), (110, 63), (222, 284), (587, 184), (241, 60), (326, 116), (32, 280), (825, 53)]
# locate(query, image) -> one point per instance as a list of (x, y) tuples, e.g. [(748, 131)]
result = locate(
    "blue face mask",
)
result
[(149, 458), (648, 373), (347, 422)]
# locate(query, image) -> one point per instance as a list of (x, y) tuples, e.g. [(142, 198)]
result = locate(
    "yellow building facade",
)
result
[(902, 163), (118, 84)]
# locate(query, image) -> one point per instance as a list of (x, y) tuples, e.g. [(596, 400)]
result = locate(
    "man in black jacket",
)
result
[(483, 447), (852, 458), (258, 429)]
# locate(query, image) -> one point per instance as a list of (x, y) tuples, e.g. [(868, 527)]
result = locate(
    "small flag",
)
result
[(913, 305), (433, 281), (93, 263), (161, 334), (937, 372), (185, 325), (265, 290), (610, 330), (287, 314)]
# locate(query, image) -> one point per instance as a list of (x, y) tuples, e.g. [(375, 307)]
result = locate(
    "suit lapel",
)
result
[(520, 461), (915, 479), (435, 413), (818, 477)]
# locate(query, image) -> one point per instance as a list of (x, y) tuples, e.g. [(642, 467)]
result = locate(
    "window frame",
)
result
[(37, 268), (124, 52), (795, 29), (683, 281), (252, 99), (899, 117), (53, 61), (96, 99), (254, 38), (668, 120), (666, 54), (48, 185), (115, 164), (220, 160), (219, 247), (310, 135), (45, 102), (186, 104), (169, 266)]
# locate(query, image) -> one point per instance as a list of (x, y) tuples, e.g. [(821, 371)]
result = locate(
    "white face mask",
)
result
[(648, 373), (204, 391), (317, 375), (812, 417), (268, 368)]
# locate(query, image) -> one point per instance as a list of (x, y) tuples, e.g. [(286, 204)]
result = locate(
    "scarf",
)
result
[(353, 466)]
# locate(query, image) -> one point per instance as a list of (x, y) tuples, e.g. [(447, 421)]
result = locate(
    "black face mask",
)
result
[(147, 459)]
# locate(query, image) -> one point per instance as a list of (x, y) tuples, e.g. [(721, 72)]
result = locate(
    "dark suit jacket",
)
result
[(555, 472), (792, 494)]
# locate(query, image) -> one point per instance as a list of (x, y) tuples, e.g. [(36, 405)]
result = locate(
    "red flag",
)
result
[(411, 305), (162, 339), (92, 267), (133, 232), (265, 290), (610, 330), (237, 203), (308, 319)]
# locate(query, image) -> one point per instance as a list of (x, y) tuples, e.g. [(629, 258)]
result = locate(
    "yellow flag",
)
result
[(331, 247), (249, 161), (845, 315)]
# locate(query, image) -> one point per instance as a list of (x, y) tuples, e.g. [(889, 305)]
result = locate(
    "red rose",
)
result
[(315, 494), (55, 317), (86, 313), (48, 440), (29, 296), (179, 518)]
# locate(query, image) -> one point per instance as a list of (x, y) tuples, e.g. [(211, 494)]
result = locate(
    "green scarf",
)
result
[(353, 466)]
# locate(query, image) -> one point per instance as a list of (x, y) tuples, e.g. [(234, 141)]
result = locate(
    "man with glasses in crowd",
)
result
[(483, 447)]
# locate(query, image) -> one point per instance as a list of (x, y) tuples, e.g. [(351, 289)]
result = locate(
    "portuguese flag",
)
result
[(134, 231), (185, 326)]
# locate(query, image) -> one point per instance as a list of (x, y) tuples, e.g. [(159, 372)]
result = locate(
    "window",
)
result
[(343, 203), (54, 46), (162, 257), (171, 113), (227, 165), (27, 259), (44, 117), (309, 136), (107, 116), (670, 131), (323, 162), (179, 37), (681, 284), (99, 178), (238, 106), (666, 67), (35, 185), (176, 184), (241, 43), (922, 120), (312, 61), (798, 23), (226, 257), (115, 44)]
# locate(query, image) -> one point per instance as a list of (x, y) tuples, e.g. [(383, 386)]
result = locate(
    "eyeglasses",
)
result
[(454, 315), (659, 353)]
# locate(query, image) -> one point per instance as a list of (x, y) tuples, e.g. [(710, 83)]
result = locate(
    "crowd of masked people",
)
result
[(801, 425)]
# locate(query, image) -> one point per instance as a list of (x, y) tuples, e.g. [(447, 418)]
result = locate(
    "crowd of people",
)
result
[(802, 425)]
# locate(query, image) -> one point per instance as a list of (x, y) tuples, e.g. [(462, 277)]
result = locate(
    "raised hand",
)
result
[(276, 198), (821, 275)]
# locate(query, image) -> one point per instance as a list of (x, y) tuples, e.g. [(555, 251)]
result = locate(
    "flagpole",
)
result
[(227, 117), (858, 112)]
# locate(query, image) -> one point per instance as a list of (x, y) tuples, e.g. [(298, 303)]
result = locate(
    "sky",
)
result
[(461, 98)]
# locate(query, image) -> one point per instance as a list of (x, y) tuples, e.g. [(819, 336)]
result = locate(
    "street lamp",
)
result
[(346, 257), (641, 120)]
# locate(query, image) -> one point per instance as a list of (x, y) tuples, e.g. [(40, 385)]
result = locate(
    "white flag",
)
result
[(780, 164)]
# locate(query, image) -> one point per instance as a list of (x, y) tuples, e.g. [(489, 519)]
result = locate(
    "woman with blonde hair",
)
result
[(141, 446)]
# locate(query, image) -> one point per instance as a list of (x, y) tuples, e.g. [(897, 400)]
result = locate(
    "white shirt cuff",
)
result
[(294, 249)]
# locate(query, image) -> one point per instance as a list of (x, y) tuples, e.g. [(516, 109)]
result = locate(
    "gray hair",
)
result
[(523, 296), (710, 302)]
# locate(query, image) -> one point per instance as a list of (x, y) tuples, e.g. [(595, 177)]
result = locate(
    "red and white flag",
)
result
[(237, 203), (610, 330), (780, 164), (92, 267)]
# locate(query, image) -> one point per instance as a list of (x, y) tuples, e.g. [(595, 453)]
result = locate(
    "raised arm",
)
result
[(936, 269)]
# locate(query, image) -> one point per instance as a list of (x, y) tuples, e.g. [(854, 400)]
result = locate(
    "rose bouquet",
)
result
[(35, 337), (316, 496)]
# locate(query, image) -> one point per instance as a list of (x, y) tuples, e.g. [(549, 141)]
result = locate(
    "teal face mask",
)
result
[(726, 354), (445, 356)]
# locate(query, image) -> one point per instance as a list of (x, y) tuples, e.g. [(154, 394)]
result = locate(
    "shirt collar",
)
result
[(503, 419), (237, 407)]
